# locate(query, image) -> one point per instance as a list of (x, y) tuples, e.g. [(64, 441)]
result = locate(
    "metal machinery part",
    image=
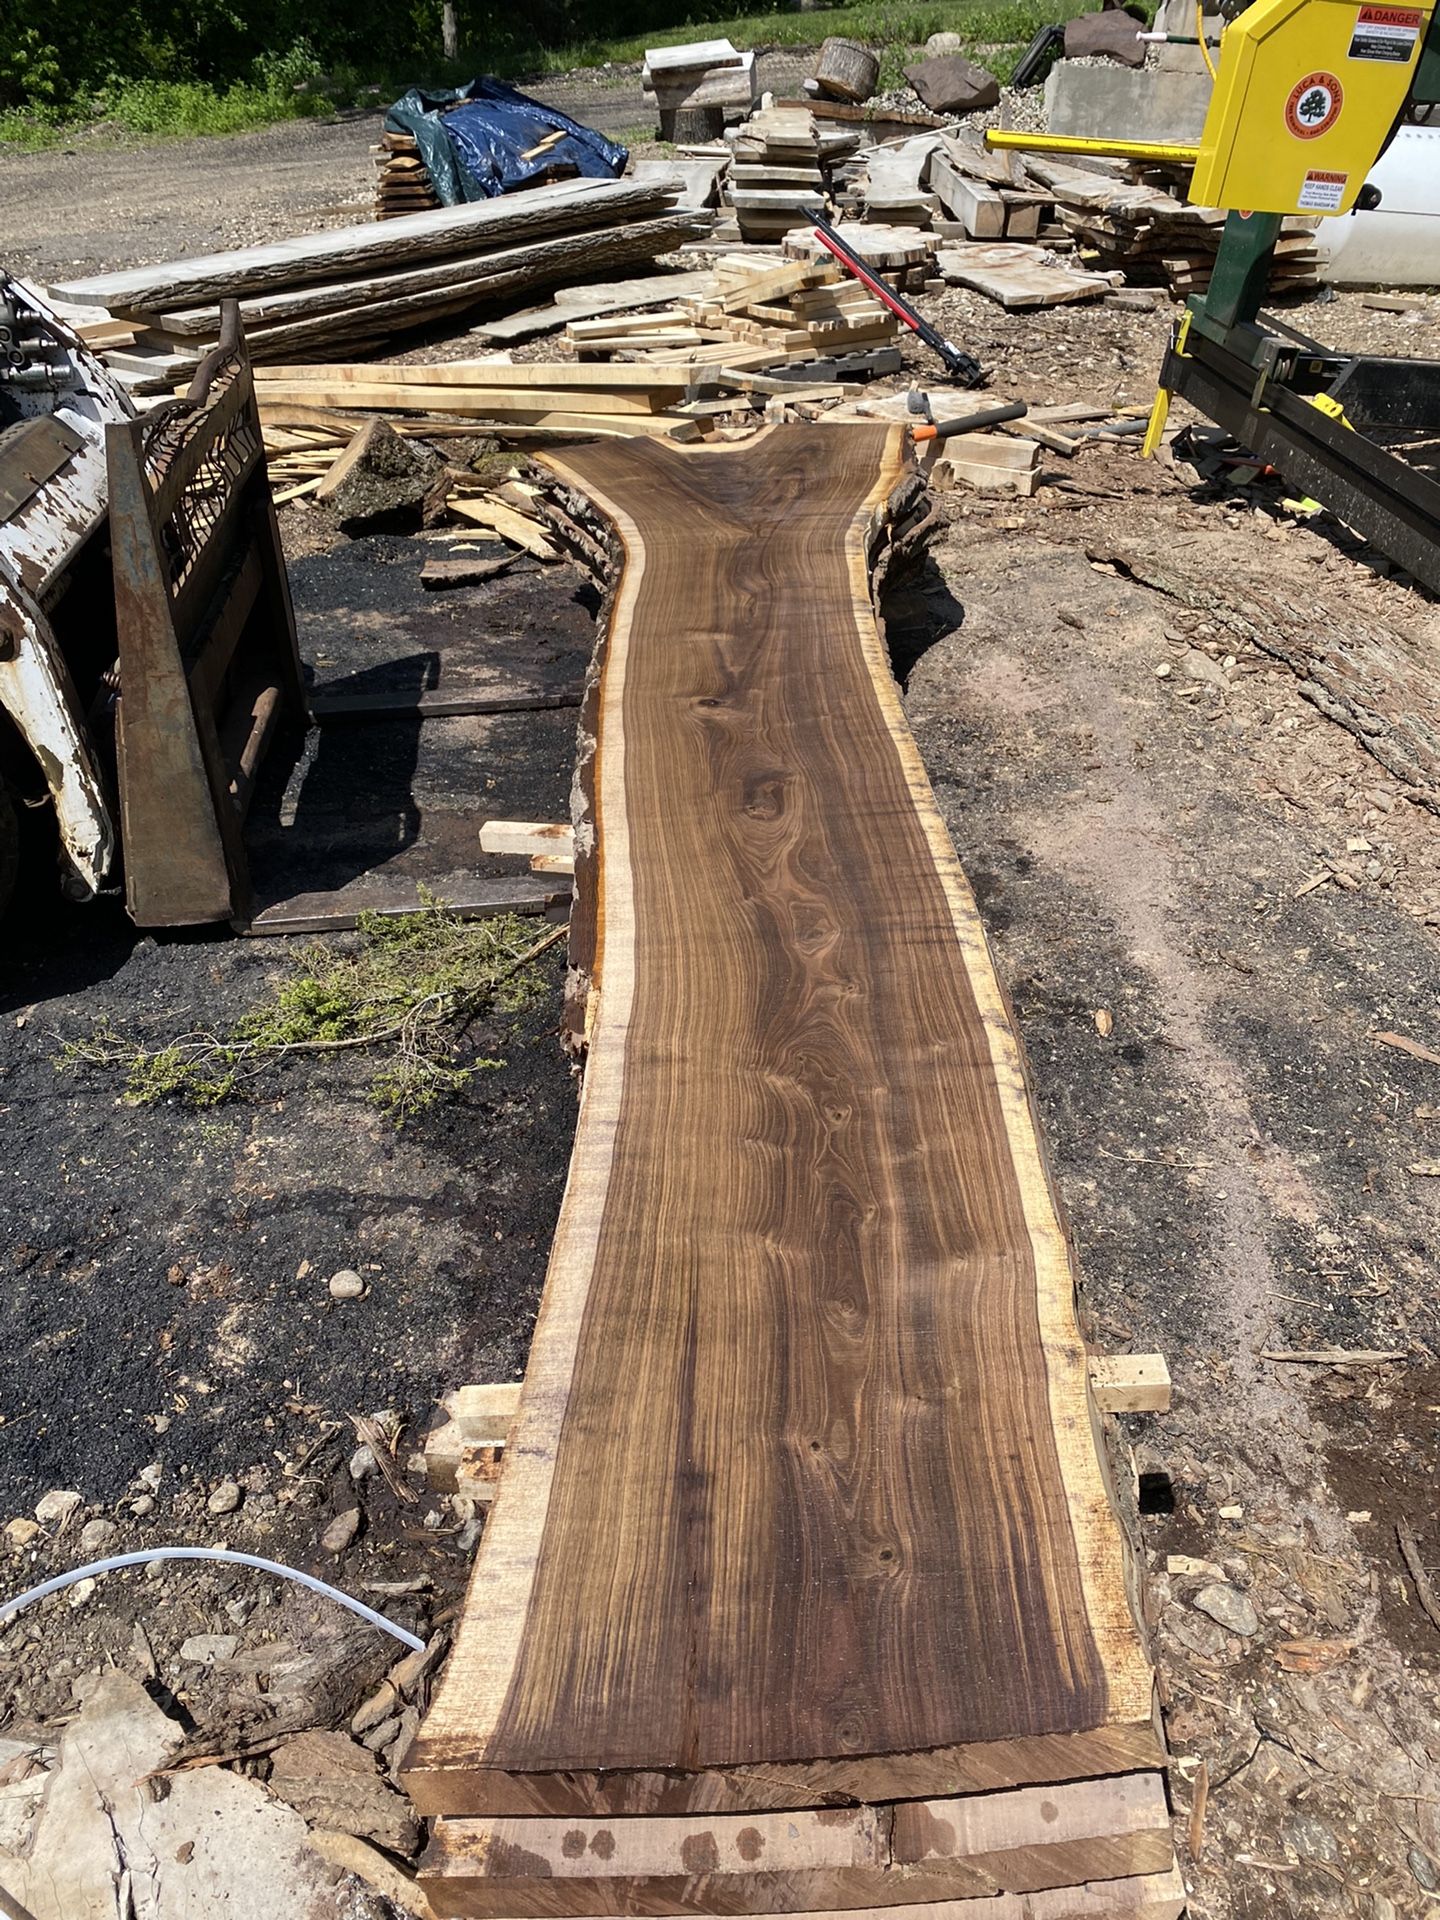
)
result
[(56, 611), (1309, 95)]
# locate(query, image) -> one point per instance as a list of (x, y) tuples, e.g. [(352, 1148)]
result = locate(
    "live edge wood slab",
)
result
[(804, 1506)]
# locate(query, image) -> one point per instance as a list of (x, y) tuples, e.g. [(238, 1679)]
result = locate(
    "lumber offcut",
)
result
[(803, 1502)]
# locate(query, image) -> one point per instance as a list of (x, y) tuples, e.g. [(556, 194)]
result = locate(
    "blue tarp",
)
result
[(473, 149)]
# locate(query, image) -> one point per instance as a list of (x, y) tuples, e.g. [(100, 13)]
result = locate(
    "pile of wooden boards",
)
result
[(1154, 239), (403, 183), (947, 184), (781, 315), (904, 255), (356, 286), (783, 171), (801, 1591), (533, 399), (696, 88)]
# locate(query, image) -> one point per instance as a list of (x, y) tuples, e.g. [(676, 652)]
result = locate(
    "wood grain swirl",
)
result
[(804, 1497)]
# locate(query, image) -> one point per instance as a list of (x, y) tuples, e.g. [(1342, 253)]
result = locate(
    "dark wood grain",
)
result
[(804, 1476)]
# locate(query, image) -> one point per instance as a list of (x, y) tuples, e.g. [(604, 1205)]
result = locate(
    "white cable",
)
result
[(10, 1608)]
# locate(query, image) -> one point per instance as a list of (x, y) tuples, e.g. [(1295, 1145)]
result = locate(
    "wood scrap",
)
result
[(510, 525), (438, 575), (335, 1783)]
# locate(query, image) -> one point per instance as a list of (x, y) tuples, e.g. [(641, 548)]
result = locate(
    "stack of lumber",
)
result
[(533, 399), (874, 122), (802, 1591), (779, 171), (1153, 238), (403, 184), (779, 315), (984, 195), (322, 292), (697, 88), (902, 254)]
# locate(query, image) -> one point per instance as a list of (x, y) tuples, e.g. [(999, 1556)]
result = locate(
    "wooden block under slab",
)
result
[(1037, 1837), (906, 1855), (462, 1450), (988, 462), (1148, 1896), (527, 837), (1130, 1382)]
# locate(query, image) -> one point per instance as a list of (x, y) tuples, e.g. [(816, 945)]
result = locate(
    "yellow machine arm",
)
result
[(1305, 99), (1307, 94)]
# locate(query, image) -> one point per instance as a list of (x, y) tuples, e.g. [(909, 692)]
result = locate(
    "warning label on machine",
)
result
[(1386, 33), (1322, 192)]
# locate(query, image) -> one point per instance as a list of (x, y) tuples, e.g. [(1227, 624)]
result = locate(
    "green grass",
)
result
[(291, 86), (985, 23)]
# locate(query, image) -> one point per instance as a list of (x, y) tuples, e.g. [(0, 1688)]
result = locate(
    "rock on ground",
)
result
[(209, 1842)]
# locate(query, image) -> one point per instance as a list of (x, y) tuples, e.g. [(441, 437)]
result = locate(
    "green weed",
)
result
[(405, 989)]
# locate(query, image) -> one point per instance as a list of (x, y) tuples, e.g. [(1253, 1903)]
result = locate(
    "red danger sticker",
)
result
[(1386, 33), (1314, 105)]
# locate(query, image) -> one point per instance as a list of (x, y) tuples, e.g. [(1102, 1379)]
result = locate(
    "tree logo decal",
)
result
[(1314, 105)]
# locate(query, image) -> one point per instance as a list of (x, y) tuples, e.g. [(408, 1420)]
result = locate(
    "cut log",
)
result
[(847, 69), (816, 1341)]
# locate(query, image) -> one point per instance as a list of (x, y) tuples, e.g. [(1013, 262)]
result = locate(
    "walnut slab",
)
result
[(804, 1501)]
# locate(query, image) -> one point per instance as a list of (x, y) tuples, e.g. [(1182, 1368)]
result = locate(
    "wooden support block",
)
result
[(462, 1450), (1022, 219), (552, 863), (484, 1413), (1130, 1382), (989, 462), (527, 837), (1028, 1840), (979, 208)]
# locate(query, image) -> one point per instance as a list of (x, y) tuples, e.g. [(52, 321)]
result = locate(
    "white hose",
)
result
[(10, 1608)]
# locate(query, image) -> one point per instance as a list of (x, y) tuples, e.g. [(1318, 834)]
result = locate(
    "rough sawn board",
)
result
[(804, 1500)]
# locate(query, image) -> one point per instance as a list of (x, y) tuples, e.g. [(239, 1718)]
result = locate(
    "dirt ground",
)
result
[(1207, 901)]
